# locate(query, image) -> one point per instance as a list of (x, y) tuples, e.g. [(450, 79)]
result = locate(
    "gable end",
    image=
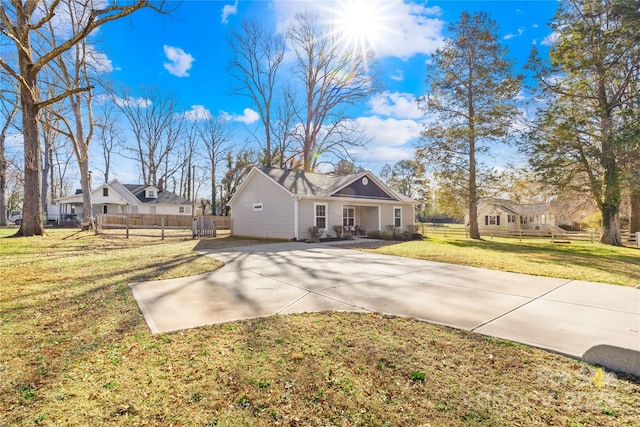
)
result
[(365, 189)]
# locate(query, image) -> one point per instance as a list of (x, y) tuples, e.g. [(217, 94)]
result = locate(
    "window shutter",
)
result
[(498, 220), (486, 220)]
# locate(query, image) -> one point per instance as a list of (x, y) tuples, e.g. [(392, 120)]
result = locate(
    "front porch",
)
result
[(357, 220)]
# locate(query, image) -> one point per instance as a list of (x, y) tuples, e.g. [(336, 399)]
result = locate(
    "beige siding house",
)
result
[(116, 198), (506, 215), (282, 203)]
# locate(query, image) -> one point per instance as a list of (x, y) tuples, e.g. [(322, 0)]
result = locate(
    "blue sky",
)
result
[(188, 54)]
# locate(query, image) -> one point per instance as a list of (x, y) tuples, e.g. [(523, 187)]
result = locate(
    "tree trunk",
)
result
[(45, 172), (31, 223), (213, 193), (474, 231), (635, 211), (611, 226), (3, 183), (85, 183)]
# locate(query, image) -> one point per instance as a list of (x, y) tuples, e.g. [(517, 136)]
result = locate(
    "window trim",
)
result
[(315, 215), (398, 208), (105, 191)]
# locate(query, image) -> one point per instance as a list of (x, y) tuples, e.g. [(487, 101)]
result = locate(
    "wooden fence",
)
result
[(559, 237), (161, 225)]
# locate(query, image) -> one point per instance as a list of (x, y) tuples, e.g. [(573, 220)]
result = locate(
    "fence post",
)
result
[(193, 227), (162, 227), (126, 225)]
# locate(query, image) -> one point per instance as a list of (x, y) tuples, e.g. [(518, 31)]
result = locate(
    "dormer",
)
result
[(151, 192)]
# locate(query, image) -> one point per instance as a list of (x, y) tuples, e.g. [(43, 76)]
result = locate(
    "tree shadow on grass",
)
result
[(595, 257)]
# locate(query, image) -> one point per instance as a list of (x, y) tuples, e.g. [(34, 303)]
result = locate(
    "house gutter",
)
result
[(296, 199)]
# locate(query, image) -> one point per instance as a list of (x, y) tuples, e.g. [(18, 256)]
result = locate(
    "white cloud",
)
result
[(550, 39), (390, 139), (534, 25), (129, 101), (14, 141), (398, 76), (180, 61), (197, 112), (98, 61), (406, 29), (395, 104), (227, 11), (247, 117), (512, 35)]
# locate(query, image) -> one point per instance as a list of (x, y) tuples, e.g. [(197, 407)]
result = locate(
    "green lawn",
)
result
[(577, 260), (74, 350)]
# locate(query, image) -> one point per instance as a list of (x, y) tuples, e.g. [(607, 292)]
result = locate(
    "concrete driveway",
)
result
[(596, 322)]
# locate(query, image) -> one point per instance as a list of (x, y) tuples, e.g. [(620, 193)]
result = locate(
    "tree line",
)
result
[(579, 122), (583, 134), (54, 82)]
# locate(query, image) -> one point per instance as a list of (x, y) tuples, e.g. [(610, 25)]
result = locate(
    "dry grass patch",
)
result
[(578, 261), (74, 350)]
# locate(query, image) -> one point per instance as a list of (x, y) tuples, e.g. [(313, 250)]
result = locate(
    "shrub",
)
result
[(386, 235), (412, 228), (338, 230), (374, 234), (315, 233)]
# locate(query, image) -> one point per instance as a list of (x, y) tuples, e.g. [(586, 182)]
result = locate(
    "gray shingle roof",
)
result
[(308, 184), (518, 208), (164, 197)]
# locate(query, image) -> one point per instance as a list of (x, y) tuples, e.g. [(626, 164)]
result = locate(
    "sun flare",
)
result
[(361, 25)]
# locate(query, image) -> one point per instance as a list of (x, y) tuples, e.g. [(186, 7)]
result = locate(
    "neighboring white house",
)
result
[(117, 198), (283, 203), (505, 215)]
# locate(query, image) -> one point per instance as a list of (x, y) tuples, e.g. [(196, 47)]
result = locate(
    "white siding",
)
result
[(367, 213), (275, 220)]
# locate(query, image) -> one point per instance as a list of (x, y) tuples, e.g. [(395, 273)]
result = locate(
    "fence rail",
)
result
[(157, 225), (567, 236)]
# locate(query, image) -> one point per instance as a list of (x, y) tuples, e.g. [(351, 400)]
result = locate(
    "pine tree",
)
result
[(471, 94)]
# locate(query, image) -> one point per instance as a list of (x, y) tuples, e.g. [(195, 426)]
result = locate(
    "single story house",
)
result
[(117, 198), (506, 215), (283, 203)]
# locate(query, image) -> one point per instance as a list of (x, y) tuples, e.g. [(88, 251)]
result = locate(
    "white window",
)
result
[(258, 206), (181, 209), (349, 218), (320, 215), (397, 217), (105, 192), (105, 209), (492, 220)]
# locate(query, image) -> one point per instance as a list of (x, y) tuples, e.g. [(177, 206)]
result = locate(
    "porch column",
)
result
[(295, 217)]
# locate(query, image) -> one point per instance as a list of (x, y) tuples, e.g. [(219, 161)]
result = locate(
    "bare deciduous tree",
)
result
[(9, 107), (158, 128), (107, 135), (215, 136), (21, 22), (257, 57), (332, 79)]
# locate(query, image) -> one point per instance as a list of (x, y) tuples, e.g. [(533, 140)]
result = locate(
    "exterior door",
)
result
[(349, 219)]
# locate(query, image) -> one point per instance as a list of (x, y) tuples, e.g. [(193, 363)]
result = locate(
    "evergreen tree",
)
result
[(578, 141), (471, 93)]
